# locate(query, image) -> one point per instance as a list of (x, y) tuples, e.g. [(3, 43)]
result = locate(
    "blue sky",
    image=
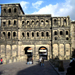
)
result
[(54, 7)]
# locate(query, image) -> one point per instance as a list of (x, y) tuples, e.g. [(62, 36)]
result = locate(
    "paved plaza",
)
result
[(21, 68)]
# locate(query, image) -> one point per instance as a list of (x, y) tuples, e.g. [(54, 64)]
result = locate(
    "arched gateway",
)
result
[(43, 52), (28, 52)]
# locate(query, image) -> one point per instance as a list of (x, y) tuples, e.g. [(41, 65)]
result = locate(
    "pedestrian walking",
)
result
[(32, 60), (1, 61), (27, 60), (42, 62)]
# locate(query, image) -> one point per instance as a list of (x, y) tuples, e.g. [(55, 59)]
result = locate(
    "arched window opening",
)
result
[(23, 35), (43, 51), (27, 22), (42, 22), (9, 10), (66, 32), (64, 20), (54, 20), (9, 22), (14, 34), (5, 10), (22, 22), (14, 22), (32, 22), (37, 34), (3, 33), (37, 21), (32, 34), (42, 34), (61, 33), (55, 33), (55, 38), (29, 52), (4, 23), (8, 34), (15, 10), (27, 34), (46, 20), (47, 34), (67, 38)]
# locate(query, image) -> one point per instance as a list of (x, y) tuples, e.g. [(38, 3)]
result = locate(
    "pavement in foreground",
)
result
[(21, 68)]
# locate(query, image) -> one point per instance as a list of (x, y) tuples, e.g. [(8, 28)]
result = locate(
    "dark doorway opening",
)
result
[(43, 52), (28, 51)]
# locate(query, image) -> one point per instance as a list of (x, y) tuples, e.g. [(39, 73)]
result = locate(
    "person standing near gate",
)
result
[(32, 60), (42, 62), (1, 61)]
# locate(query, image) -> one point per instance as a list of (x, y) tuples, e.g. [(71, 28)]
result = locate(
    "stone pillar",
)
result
[(70, 50), (34, 35), (48, 56), (50, 51), (64, 51), (58, 50), (34, 52), (44, 35), (26, 35), (58, 33), (19, 47), (61, 21), (40, 34), (67, 21), (30, 35)]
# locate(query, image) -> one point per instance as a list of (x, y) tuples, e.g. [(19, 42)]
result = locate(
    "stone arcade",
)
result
[(36, 35)]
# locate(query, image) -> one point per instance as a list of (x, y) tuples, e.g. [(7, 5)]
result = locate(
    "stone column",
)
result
[(30, 35), (64, 51), (40, 34), (19, 48), (34, 35), (67, 21), (61, 21), (70, 49), (58, 34), (64, 32), (44, 35), (34, 52), (58, 50), (26, 35)]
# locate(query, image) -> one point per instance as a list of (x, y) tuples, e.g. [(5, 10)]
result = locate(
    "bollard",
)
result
[(61, 68)]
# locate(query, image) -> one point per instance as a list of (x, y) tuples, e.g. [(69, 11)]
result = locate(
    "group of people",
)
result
[(41, 60), (29, 60)]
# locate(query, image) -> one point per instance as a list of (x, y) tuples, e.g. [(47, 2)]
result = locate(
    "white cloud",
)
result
[(63, 9), (24, 4), (37, 4)]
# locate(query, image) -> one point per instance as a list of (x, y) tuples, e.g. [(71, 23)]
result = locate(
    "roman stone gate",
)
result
[(35, 52)]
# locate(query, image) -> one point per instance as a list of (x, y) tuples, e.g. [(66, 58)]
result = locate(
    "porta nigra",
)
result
[(35, 36)]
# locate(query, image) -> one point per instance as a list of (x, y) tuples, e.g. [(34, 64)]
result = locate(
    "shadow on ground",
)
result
[(1, 72), (36, 70), (21, 68)]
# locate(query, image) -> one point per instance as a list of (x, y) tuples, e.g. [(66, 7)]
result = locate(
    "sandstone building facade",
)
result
[(23, 36)]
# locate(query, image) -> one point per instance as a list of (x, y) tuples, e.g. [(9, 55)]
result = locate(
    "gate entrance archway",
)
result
[(43, 52), (29, 52)]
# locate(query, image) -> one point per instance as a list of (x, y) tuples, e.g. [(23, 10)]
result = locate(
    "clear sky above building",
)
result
[(54, 7)]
